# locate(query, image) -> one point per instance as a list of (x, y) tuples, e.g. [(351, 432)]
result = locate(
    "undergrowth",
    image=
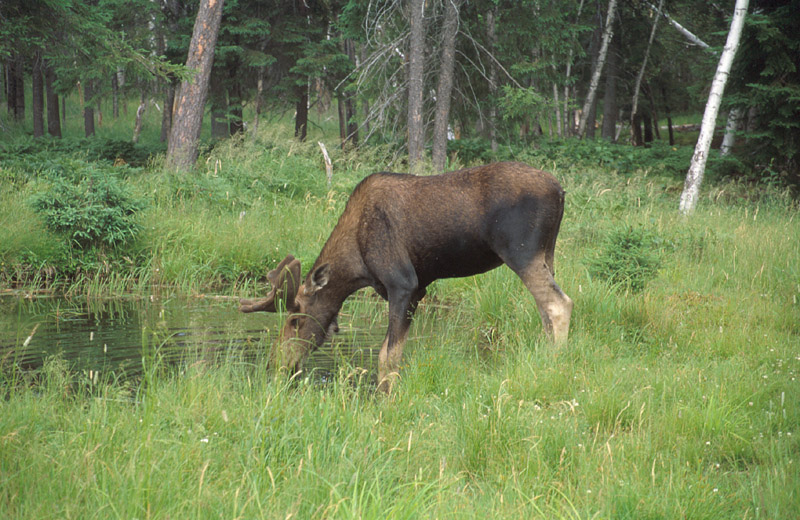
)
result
[(676, 396)]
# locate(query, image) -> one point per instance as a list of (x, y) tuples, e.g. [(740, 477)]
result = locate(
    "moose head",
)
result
[(308, 323)]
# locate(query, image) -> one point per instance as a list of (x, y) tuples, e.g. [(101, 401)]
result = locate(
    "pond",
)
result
[(115, 334)]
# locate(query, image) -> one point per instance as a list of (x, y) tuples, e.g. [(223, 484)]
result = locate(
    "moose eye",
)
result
[(294, 322)]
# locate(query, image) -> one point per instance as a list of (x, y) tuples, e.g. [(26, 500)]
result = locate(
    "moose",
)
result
[(399, 233)]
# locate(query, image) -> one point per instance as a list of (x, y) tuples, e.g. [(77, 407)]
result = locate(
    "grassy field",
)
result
[(676, 397)]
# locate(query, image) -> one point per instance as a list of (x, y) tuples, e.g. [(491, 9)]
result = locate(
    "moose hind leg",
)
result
[(555, 307)]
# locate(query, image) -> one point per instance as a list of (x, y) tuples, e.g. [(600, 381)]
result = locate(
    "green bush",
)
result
[(472, 151), (92, 210), (629, 259), (36, 151)]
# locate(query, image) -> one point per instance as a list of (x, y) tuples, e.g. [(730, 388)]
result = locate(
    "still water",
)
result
[(102, 335)]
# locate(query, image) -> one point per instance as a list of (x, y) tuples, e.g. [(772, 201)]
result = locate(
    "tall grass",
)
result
[(676, 400)]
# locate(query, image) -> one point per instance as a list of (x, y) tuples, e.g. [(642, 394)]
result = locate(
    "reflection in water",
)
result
[(115, 334)]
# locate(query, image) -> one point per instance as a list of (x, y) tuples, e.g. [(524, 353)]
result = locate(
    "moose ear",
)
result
[(319, 277)]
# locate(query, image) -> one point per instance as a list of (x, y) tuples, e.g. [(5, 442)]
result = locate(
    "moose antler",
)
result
[(285, 281)]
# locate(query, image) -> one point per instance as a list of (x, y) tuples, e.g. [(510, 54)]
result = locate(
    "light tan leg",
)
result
[(389, 364), (555, 307)]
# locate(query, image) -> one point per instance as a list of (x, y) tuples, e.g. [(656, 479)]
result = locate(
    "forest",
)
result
[(476, 75), (159, 157)]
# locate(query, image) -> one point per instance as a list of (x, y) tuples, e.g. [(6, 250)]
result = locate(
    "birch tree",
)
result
[(734, 116), (694, 177), (690, 36), (608, 33)]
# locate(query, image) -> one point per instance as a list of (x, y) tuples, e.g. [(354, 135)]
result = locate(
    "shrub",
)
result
[(472, 150), (92, 210), (629, 259)]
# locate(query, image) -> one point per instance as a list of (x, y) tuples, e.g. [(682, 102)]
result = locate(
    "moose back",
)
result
[(399, 232)]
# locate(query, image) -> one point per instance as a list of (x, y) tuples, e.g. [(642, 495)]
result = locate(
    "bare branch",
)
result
[(490, 55), (683, 30)]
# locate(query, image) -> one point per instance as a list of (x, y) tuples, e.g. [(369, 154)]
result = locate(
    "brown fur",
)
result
[(398, 233)]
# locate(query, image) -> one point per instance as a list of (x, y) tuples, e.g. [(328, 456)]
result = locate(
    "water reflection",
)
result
[(115, 334)]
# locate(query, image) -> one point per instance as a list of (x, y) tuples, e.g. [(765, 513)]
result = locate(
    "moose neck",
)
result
[(347, 275)]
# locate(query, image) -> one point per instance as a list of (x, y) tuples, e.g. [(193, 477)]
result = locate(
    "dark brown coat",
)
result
[(398, 233)]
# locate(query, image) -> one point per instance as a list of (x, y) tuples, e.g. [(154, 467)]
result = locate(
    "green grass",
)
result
[(679, 400)]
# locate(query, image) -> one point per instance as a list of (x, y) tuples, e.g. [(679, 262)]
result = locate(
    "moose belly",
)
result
[(454, 260)]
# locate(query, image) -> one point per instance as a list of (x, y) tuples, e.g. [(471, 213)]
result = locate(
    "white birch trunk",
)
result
[(694, 177), (681, 29), (734, 116), (608, 33)]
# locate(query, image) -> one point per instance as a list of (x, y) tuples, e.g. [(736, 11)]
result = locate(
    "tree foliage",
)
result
[(531, 77), (766, 84)]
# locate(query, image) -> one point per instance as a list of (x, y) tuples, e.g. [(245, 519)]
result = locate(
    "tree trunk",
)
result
[(235, 119), (492, 37), (38, 96), (301, 108), (364, 103), (137, 127), (416, 59), (694, 177), (557, 105), (653, 112), (610, 109), (648, 127), (342, 120), (188, 120), (88, 111), (349, 99), (114, 96), (593, 53), (218, 98), (734, 116), (121, 85), (608, 33), (9, 87), (350, 115), (19, 109), (53, 119), (98, 98), (445, 86), (640, 75), (262, 71), (569, 129), (169, 106), (16, 91), (668, 114), (636, 129)]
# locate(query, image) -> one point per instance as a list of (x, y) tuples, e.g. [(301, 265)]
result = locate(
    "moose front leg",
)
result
[(401, 311)]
